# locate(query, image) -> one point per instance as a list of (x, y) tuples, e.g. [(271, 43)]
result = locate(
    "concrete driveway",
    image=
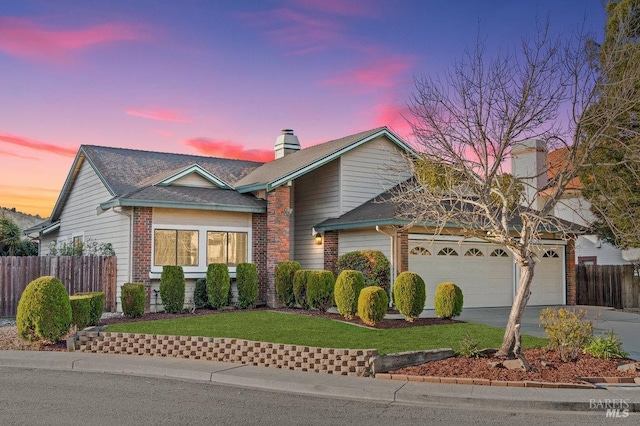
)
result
[(626, 325)]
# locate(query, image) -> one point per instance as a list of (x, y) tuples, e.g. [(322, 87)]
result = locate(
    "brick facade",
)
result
[(403, 250), (330, 248), (570, 259), (279, 213), (141, 250), (259, 231)]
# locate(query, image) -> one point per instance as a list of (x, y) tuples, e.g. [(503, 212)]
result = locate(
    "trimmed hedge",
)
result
[(133, 297), (172, 288), (97, 305), (373, 303), (372, 263), (284, 282), (80, 310), (218, 285), (44, 310), (409, 295), (320, 289), (448, 300), (300, 280), (347, 289), (247, 281), (200, 298)]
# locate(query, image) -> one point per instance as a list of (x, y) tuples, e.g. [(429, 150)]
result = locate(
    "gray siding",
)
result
[(368, 171), (79, 217), (365, 239), (316, 197)]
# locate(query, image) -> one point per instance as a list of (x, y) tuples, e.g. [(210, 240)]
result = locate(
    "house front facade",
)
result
[(309, 205)]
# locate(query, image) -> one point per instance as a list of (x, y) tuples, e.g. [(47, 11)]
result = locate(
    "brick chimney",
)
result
[(286, 143)]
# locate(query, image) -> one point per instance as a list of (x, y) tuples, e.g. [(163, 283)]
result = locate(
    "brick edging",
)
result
[(351, 362), (590, 382)]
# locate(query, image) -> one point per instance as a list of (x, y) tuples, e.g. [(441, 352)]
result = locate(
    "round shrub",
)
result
[(320, 290), (284, 282), (372, 304), (300, 280), (346, 292), (44, 310), (409, 295), (133, 297), (448, 300), (172, 288), (218, 285), (97, 305), (247, 281), (80, 310), (372, 263), (200, 298)]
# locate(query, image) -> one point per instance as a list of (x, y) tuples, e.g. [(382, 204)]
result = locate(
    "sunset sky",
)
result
[(223, 77)]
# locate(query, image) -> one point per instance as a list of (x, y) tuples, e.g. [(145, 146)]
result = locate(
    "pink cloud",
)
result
[(36, 145), (13, 154), (380, 73), (26, 38), (300, 32), (159, 114), (228, 149), (395, 117)]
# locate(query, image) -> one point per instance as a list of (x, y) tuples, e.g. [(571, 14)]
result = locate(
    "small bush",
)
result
[(372, 263), (97, 305), (200, 298), (568, 331), (284, 282), (347, 289), (409, 295), (218, 285), (44, 310), (80, 310), (605, 347), (468, 348), (372, 304), (172, 288), (133, 297), (300, 280), (247, 281), (320, 290), (448, 300)]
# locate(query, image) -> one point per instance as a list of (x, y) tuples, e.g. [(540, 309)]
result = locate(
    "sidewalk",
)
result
[(331, 386)]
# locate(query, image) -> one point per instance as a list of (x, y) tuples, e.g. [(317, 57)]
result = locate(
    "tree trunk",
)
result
[(511, 336)]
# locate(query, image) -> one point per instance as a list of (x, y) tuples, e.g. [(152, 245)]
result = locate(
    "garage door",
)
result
[(483, 271), (547, 287)]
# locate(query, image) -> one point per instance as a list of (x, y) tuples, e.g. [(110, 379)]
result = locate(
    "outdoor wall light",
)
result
[(318, 238)]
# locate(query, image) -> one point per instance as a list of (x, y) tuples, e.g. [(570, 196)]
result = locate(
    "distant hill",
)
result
[(23, 220)]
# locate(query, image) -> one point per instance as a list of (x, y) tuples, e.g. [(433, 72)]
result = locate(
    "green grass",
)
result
[(276, 327)]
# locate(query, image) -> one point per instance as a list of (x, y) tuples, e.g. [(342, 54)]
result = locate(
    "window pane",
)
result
[(164, 247), (237, 248), (216, 247), (187, 248)]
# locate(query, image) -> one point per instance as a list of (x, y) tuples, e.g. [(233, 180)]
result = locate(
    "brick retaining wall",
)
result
[(352, 362)]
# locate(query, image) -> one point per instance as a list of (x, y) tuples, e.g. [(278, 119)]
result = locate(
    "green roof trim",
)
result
[(119, 202)]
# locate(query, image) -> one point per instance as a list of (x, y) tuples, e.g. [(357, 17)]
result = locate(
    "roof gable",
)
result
[(279, 172), (191, 171)]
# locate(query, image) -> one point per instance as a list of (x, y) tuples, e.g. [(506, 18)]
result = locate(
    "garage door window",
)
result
[(499, 253), (447, 251), (474, 252), (420, 251), (551, 254)]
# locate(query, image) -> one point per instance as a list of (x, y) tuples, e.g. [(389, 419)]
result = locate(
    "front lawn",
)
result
[(276, 327)]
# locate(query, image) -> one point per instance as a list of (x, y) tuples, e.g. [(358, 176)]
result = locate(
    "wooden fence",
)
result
[(77, 273), (615, 286)]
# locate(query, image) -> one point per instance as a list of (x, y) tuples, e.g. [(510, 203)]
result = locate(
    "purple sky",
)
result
[(223, 77)]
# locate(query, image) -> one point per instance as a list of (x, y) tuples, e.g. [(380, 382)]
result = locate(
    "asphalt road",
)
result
[(48, 397)]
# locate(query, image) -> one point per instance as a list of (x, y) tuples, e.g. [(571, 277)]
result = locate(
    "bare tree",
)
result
[(469, 121)]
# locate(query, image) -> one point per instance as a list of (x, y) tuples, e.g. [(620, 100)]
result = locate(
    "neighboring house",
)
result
[(532, 159), (309, 205)]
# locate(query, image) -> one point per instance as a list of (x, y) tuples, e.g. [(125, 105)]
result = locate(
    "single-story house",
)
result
[(309, 205)]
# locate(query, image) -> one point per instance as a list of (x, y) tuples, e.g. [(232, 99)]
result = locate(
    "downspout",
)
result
[(392, 261)]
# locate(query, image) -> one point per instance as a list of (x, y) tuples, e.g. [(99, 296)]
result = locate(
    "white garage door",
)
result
[(547, 287), (483, 271)]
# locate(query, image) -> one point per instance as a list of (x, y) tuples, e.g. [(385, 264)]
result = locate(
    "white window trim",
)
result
[(201, 269)]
